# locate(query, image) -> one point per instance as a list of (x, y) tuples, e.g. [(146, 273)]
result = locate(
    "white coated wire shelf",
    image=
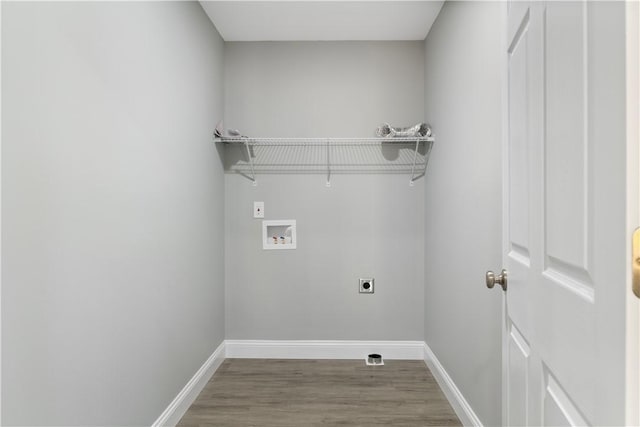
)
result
[(251, 155), (322, 141)]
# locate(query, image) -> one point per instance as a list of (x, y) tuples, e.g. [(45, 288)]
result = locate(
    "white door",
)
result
[(564, 237)]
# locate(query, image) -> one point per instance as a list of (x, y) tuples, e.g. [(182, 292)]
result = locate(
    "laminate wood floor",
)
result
[(284, 393)]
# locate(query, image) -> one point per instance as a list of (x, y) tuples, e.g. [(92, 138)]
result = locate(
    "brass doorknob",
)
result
[(500, 279)]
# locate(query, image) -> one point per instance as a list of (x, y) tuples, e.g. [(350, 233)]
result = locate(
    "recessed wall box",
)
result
[(279, 234)]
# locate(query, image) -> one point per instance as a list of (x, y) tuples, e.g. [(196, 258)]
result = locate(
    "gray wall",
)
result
[(318, 89), (112, 192), (463, 195), (364, 225)]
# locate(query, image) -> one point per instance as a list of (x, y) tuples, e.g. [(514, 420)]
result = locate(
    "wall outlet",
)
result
[(366, 285), (258, 209)]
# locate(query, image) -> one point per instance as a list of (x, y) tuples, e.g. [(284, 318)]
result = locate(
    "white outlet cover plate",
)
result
[(258, 209)]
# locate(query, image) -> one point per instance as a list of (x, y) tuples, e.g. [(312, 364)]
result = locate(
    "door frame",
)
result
[(632, 24), (1, 7), (632, 59)]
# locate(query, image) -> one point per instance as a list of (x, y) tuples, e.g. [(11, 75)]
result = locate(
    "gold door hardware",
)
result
[(635, 262), (500, 279)]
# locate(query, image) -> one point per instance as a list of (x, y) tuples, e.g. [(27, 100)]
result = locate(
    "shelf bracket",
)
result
[(253, 172), (328, 184), (413, 167)]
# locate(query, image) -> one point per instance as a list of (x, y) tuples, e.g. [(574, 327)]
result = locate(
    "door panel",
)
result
[(519, 154), (518, 379), (567, 342), (558, 408), (566, 141)]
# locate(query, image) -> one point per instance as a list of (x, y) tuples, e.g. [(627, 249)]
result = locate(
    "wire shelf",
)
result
[(376, 141), (250, 156)]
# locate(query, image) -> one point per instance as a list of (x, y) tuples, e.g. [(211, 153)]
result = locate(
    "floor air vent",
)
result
[(374, 359)]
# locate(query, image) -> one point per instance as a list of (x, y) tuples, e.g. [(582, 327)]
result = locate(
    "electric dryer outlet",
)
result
[(366, 285)]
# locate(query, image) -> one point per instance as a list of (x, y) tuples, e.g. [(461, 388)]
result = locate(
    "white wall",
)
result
[(364, 225), (463, 199), (112, 208)]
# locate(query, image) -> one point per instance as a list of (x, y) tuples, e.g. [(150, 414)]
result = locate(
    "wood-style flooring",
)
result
[(283, 393)]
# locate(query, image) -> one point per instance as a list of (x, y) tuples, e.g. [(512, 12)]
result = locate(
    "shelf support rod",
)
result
[(253, 172), (328, 184), (413, 167)]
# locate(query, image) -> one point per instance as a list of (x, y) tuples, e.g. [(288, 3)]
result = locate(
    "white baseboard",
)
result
[(302, 349), (177, 408), (460, 405)]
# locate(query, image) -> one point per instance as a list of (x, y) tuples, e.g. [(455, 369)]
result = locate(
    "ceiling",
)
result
[(304, 20)]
